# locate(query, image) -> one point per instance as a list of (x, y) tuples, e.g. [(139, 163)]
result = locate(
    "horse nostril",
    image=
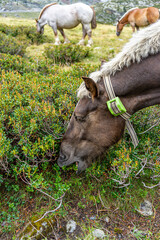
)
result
[(62, 157)]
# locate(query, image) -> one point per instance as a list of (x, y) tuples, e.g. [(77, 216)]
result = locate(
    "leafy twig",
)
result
[(51, 211)]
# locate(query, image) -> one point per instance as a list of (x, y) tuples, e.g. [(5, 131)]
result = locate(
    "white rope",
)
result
[(125, 116)]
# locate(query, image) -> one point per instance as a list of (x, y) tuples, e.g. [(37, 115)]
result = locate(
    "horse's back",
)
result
[(145, 16), (153, 14), (83, 10), (68, 16)]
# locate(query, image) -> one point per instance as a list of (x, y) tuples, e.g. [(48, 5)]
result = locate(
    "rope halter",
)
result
[(117, 108)]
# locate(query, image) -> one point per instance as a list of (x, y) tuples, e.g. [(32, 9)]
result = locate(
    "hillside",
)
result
[(10, 5), (107, 11)]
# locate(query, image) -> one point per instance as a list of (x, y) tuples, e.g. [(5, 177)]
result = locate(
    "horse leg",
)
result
[(66, 40), (137, 28), (133, 26), (87, 31), (54, 27), (81, 42)]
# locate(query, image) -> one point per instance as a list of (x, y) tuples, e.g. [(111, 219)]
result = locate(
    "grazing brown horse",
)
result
[(138, 18), (135, 77)]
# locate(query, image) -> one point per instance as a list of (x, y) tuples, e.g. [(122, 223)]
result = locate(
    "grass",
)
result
[(19, 15), (106, 44), (94, 193)]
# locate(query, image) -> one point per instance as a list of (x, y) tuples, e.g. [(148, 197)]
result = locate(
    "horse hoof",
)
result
[(66, 42), (80, 42)]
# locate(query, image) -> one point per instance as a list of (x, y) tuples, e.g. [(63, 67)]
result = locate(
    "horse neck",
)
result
[(124, 20), (139, 85), (45, 8), (42, 21)]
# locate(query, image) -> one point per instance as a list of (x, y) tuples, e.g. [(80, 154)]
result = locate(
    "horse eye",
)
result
[(79, 118)]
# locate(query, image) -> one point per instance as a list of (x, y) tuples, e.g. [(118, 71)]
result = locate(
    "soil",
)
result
[(129, 225), (126, 226)]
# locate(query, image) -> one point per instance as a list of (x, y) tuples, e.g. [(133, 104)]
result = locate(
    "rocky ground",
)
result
[(98, 222)]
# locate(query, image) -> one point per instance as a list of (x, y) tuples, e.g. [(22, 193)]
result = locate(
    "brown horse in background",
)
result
[(138, 18)]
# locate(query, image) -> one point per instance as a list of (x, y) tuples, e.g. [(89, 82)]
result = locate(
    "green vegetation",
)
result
[(66, 54), (38, 96), (26, 34), (11, 45)]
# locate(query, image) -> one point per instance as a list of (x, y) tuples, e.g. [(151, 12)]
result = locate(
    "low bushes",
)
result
[(66, 54), (11, 45), (25, 65), (34, 111), (27, 33)]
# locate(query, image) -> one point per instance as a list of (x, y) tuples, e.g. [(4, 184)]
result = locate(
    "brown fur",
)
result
[(92, 128), (138, 18), (93, 22), (91, 86)]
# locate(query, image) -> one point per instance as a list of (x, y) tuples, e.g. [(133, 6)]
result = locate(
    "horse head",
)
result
[(40, 29), (119, 28), (92, 129)]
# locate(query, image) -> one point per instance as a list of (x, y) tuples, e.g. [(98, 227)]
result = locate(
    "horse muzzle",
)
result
[(117, 33), (62, 160)]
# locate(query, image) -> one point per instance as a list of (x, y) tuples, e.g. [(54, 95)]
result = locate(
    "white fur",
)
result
[(66, 17), (144, 43)]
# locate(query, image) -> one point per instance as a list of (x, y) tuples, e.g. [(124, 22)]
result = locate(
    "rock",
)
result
[(98, 233), (71, 226), (145, 208), (92, 217), (2, 10), (106, 219)]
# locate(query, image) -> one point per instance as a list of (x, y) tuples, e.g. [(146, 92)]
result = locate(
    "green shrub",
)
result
[(33, 36), (14, 63), (34, 111), (25, 33), (25, 65), (11, 45), (66, 54)]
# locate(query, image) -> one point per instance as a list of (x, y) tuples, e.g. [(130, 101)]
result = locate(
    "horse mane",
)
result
[(144, 43), (130, 10), (45, 7)]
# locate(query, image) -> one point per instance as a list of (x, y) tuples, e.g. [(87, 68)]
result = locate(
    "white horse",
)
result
[(67, 16)]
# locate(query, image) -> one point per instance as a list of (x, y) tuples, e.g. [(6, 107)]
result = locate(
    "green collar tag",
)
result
[(117, 108)]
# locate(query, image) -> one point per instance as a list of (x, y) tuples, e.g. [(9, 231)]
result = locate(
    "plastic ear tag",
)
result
[(116, 107)]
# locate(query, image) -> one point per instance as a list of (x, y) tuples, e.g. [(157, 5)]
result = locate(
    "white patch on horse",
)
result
[(144, 43)]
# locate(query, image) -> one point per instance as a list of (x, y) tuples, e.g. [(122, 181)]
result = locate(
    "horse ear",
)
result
[(91, 86)]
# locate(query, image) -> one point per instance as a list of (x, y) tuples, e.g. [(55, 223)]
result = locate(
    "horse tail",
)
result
[(93, 22)]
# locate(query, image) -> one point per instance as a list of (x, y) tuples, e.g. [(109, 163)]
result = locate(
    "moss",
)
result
[(37, 230)]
